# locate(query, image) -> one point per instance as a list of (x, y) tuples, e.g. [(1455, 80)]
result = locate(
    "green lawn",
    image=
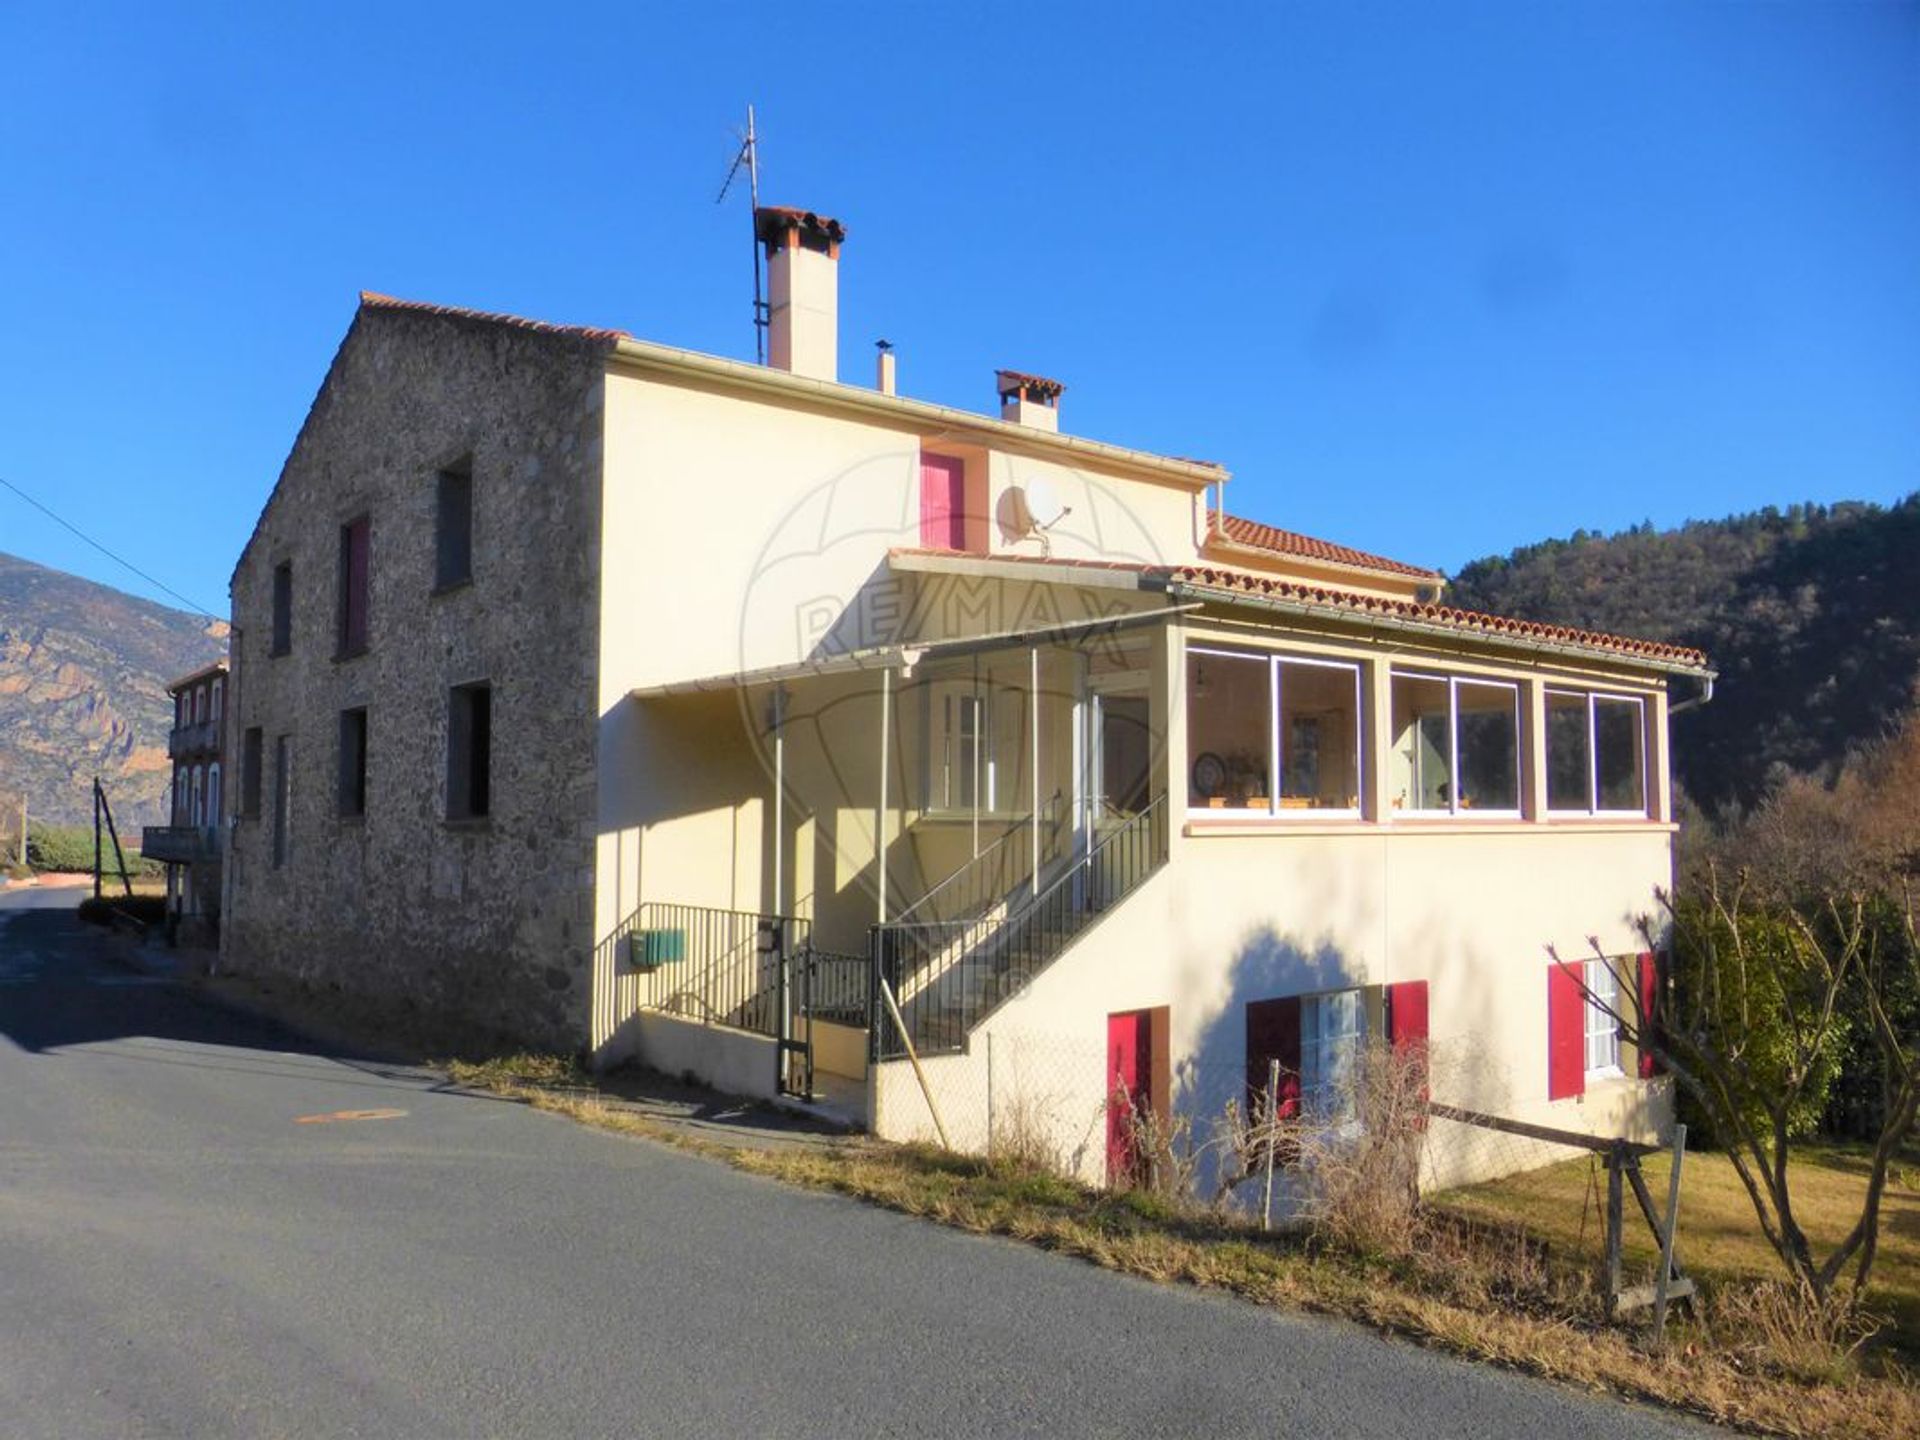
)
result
[(1719, 1235)]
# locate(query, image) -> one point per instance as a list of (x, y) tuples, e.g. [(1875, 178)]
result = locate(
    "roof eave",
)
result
[(647, 357), (1433, 629)]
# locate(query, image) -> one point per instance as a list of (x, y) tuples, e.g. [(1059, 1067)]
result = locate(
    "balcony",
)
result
[(180, 844), (200, 739)]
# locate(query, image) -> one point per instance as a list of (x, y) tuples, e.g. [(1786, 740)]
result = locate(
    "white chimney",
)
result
[(803, 289), (1029, 399), (884, 376)]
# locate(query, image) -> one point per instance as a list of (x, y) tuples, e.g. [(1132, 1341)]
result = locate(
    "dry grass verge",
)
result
[(1475, 1287)]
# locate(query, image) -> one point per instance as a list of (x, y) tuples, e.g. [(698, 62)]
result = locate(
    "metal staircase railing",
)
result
[(949, 975)]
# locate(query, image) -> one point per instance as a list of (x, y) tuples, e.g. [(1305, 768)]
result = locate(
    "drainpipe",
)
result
[(880, 811), (1705, 697), (1033, 729)]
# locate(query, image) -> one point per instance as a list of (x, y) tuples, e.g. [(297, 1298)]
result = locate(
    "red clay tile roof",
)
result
[(369, 300), (1040, 385), (1470, 621), (1255, 536)]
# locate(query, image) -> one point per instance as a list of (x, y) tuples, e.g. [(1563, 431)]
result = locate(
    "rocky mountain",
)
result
[(1811, 614), (83, 674)]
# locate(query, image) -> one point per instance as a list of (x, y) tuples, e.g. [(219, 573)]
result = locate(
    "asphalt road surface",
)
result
[(181, 1256)]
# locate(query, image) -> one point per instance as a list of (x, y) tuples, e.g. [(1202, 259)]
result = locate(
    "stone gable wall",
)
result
[(483, 928)]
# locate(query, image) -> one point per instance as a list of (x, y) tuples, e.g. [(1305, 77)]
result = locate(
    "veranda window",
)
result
[(1596, 754), (1456, 745), (1252, 718)]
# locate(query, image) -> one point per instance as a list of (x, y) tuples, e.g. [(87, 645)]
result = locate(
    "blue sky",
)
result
[(1431, 279)]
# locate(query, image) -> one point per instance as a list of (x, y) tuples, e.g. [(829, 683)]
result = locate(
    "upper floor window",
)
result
[(182, 709), (282, 640), (351, 785), (217, 706), (1255, 719), (1596, 754), (199, 704), (252, 746), (973, 733), (453, 526), (943, 502), (1456, 745), (354, 537)]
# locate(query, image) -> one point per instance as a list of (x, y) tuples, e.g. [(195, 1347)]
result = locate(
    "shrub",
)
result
[(69, 849)]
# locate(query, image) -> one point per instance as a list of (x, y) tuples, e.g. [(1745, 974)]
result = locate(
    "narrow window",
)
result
[(282, 795), (219, 700), (1319, 735), (181, 795), (453, 526), (353, 587), (282, 608), (213, 794), (353, 763), (1602, 1030), (1569, 753), (469, 752), (251, 746), (1332, 1036), (1619, 778)]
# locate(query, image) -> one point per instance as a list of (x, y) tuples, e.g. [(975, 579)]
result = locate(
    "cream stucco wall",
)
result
[(1244, 918)]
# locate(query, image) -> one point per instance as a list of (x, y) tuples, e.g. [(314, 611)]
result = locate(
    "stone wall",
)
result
[(483, 927)]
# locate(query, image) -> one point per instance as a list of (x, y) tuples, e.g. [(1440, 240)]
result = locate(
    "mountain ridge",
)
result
[(83, 675)]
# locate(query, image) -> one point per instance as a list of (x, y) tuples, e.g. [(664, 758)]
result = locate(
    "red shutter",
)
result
[(1273, 1033), (1566, 1032), (943, 502), (1649, 1013), (1407, 1026)]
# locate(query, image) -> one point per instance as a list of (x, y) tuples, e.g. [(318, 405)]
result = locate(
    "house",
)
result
[(950, 769), (191, 845)]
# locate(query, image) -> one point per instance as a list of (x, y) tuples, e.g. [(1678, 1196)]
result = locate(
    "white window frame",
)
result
[(947, 702), (1602, 1030), (1323, 1065), (1276, 708), (1594, 809), (1454, 809)]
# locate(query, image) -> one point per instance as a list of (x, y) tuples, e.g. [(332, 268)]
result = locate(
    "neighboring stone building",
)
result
[(627, 700), (191, 845)]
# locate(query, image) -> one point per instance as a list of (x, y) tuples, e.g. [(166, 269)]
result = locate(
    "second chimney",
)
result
[(803, 289), (1029, 399)]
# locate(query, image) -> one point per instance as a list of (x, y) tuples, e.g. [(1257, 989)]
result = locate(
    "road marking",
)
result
[(337, 1115)]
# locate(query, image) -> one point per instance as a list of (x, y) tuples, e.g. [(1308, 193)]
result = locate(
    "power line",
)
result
[(196, 608)]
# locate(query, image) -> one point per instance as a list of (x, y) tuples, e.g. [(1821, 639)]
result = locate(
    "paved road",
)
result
[(180, 1257)]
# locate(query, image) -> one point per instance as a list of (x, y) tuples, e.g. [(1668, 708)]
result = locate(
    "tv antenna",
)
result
[(748, 157)]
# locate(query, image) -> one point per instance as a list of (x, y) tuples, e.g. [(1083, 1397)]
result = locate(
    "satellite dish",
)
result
[(1043, 506)]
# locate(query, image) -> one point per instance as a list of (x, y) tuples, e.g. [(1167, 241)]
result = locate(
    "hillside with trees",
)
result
[(1811, 615), (83, 674)]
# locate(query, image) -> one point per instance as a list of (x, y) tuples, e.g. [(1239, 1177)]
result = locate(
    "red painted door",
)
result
[(943, 502), (1129, 1089)]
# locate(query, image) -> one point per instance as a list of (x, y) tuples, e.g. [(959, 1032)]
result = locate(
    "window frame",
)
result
[(1455, 810), (1594, 810), (1597, 1022), (1276, 751)]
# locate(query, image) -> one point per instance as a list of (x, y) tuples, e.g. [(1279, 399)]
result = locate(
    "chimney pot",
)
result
[(1029, 399), (884, 368)]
